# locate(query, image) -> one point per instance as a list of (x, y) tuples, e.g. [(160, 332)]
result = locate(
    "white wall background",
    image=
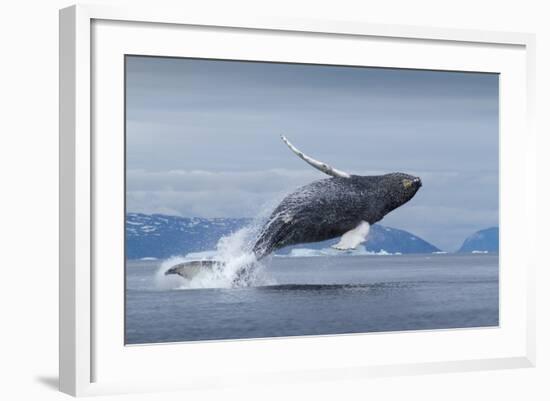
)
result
[(29, 214)]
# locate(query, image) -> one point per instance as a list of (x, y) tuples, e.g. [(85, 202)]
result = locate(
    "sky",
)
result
[(203, 138)]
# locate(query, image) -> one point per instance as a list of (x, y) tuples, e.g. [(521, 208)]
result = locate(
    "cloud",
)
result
[(257, 181), (211, 193)]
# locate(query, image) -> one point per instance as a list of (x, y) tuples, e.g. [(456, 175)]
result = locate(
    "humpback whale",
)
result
[(344, 205)]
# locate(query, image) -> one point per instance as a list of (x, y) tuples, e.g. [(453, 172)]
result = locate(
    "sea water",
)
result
[(299, 296)]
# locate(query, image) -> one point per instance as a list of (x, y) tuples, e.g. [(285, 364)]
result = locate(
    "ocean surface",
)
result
[(318, 295)]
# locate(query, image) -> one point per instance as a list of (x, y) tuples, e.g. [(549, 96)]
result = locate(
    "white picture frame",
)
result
[(93, 359)]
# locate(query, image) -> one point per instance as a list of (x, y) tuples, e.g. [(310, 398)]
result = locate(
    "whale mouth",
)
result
[(418, 182)]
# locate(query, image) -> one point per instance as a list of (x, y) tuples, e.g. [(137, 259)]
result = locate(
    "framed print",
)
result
[(274, 200), (231, 238)]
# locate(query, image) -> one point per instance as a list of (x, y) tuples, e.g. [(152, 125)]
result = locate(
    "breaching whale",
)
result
[(344, 205)]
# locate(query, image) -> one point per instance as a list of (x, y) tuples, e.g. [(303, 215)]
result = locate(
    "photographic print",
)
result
[(281, 199)]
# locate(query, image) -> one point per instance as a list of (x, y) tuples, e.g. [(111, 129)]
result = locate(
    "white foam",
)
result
[(237, 265)]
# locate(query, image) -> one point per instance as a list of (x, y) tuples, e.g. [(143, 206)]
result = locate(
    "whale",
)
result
[(342, 206)]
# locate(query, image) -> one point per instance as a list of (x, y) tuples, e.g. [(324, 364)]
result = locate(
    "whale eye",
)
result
[(407, 183)]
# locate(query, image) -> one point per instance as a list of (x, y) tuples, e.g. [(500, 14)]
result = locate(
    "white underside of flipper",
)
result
[(354, 237)]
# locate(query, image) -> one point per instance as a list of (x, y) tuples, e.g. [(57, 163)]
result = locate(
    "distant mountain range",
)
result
[(483, 241), (161, 236)]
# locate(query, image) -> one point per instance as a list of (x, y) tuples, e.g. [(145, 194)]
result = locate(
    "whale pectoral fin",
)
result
[(354, 237)]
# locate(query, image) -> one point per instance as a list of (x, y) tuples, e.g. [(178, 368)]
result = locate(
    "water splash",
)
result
[(236, 264), (237, 267)]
